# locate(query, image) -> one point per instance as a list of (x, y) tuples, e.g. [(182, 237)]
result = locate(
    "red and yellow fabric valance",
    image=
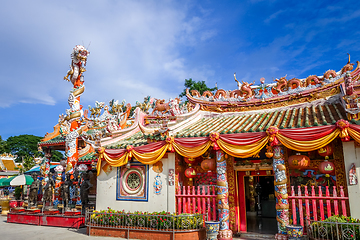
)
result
[(241, 145)]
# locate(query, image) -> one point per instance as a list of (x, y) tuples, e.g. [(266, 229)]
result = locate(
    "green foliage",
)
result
[(28, 163), (17, 194), (3, 146), (327, 228), (56, 156), (199, 85), (154, 220), (24, 145)]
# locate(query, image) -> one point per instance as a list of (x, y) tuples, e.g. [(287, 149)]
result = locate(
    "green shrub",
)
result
[(17, 194), (154, 220), (328, 229)]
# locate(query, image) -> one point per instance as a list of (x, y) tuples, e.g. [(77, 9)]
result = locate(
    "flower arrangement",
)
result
[(154, 220)]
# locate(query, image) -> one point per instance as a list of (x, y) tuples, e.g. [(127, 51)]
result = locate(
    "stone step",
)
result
[(250, 236)]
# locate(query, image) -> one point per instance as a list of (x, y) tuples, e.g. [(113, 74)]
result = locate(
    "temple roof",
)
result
[(297, 117), (58, 140), (135, 140), (88, 157)]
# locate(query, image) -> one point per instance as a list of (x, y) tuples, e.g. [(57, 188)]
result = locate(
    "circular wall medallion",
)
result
[(133, 181)]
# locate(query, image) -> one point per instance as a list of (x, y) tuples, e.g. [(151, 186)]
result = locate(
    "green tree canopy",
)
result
[(28, 162), (24, 145), (199, 85), (56, 156), (3, 146)]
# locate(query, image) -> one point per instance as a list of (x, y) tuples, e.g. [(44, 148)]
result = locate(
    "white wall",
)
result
[(352, 155), (106, 191)]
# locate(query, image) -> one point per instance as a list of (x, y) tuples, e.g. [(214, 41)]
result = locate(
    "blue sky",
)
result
[(140, 48)]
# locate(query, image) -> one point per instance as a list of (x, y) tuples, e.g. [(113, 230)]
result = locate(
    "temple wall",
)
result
[(165, 201), (352, 155)]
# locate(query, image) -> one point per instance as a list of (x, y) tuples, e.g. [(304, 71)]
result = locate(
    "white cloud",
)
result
[(135, 48), (273, 16)]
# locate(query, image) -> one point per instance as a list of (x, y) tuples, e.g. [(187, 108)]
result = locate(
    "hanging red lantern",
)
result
[(190, 173), (189, 160), (299, 161), (326, 167), (326, 151), (208, 164)]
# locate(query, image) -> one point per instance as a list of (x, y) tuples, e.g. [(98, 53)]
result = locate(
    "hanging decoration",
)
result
[(299, 161), (269, 151), (208, 165), (158, 167), (171, 177), (326, 167), (190, 173), (240, 145), (157, 184), (352, 175), (326, 151)]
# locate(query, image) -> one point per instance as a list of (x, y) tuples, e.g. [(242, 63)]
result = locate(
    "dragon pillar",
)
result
[(222, 197), (74, 75), (281, 194)]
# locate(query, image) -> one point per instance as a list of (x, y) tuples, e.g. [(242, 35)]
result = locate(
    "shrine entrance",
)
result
[(257, 212)]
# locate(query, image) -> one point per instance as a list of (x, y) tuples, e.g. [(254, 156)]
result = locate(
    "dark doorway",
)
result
[(260, 204)]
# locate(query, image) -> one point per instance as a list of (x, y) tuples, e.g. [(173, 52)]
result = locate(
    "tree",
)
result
[(199, 85), (27, 163), (3, 146), (56, 156), (24, 145)]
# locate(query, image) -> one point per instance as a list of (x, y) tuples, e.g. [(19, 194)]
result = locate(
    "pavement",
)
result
[(13, 231)]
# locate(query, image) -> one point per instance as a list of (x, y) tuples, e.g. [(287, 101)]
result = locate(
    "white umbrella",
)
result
[(21, 180)]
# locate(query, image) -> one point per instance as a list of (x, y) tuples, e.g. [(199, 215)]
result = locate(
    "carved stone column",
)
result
[(281, 194), (222, 197)]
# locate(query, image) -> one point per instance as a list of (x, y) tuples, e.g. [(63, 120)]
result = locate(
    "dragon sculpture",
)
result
[(78, 57), (146, 105), (115, 107), (161, 106), (245, 88), (96, 111), (348, 67)]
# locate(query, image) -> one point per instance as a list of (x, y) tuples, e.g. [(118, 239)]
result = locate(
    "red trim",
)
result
[(242, 227)]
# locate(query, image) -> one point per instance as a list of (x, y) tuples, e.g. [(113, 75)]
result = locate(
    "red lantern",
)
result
[(326, 151), (299, 161), (190, 173), (326, 167), (208, 164), (190, 160)]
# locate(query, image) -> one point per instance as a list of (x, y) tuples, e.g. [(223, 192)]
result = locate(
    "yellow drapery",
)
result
[(192, 152), (241, 151), (306, 146), (354, 134)]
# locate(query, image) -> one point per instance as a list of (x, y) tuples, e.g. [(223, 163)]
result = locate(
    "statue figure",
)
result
[(48, 193), (65, 190), (84, 190), (33, 193)]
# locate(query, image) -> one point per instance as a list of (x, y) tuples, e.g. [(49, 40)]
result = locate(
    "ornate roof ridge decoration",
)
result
[(55, 133), (86, 150), (335, 99), (140, 125), (7, 155), (350, 91), (283, 93), (120, 134), (301, 116)]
